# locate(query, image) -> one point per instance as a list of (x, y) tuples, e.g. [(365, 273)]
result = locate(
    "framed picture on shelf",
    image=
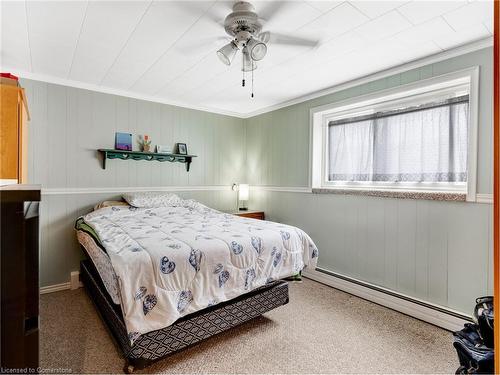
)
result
[(123, 141), (161, 149), (182, 149)]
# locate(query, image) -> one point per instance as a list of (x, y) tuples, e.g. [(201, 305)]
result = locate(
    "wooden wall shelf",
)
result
[(137, 155)]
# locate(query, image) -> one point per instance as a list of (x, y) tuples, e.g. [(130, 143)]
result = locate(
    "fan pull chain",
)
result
[(243, 80)]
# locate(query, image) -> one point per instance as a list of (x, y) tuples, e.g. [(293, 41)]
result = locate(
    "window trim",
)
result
[(419, 90)]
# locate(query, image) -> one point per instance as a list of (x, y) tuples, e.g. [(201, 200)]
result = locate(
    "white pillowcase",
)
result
[(109, 204), (191, 204), (152, 199)]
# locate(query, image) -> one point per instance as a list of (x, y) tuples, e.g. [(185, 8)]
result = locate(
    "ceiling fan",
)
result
[(244, 26)]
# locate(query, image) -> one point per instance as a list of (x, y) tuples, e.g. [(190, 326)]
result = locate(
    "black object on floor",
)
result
[(483, 317), (474, 343)]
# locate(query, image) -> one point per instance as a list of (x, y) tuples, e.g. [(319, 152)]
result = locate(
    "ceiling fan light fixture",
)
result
[(226, 54), (248, 64), (256, 48)]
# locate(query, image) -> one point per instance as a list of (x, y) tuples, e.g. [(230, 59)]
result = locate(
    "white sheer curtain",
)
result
[(428, 145)]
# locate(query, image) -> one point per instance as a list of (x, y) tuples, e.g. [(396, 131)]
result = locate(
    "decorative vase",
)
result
[(145, 148)]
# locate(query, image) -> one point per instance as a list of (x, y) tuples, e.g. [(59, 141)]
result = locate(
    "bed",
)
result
[(165, 272)]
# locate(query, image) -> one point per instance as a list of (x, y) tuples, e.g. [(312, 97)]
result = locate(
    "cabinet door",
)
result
[(9, 133), (23, 142)]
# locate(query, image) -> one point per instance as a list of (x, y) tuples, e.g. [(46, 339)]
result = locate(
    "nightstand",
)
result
[(259, 215)]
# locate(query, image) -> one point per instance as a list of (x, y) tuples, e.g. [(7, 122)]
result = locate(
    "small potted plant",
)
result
[(145, 143)]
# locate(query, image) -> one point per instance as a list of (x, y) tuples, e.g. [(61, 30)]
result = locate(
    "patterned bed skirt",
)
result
[(190, 329)]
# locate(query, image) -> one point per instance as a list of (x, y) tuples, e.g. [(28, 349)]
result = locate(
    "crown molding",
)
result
[(461, 50), (113, 91)]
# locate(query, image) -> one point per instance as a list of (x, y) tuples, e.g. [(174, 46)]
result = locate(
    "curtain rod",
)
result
[(395, 112)]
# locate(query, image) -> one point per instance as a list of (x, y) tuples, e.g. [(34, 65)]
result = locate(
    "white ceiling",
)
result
[(165, 50)]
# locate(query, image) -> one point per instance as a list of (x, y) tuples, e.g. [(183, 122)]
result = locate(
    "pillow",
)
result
[(191, 204), (152, 199), (109, 204)]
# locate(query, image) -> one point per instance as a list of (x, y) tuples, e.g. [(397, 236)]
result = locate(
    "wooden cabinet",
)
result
[(14, 117), (19, 290), (251, 214)]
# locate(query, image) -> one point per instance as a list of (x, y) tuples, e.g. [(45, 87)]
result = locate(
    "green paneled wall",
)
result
[(69, 124), (440, 252)]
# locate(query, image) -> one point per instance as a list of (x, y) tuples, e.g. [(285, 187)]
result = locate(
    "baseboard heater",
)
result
[(437, 315)]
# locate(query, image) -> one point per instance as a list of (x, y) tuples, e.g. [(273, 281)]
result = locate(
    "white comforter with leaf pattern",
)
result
[(173, 261)]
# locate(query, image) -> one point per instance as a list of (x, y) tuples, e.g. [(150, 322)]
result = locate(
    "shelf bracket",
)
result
[(104, 157)]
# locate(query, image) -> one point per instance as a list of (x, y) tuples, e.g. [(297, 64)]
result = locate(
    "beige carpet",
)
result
[(321, 330)]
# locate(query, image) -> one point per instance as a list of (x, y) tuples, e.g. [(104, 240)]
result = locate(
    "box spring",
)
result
[(186, 331)]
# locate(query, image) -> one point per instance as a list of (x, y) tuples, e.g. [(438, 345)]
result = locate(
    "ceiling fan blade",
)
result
[(276, 38), (270, 9), (216, 13)]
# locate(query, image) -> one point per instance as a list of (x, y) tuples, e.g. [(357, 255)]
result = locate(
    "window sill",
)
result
[(407, 194)]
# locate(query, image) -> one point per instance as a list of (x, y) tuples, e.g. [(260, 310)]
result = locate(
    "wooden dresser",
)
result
[(19, 277), (14, 117)]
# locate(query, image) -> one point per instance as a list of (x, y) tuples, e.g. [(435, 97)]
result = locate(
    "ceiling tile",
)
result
[(385, 26), (169, 67), (325, 5), (213, 86), (406, 51), (475, 32), (425, 31), (476, 12), (334, 49), (374, 9), (421, 11), (15, 52), (281, 54), (489, 27), (337, 21), (204, 37), (100, 44), (290, 16), (54, 27), (195, 76), (333, 71), (163, 24), (339, 46)]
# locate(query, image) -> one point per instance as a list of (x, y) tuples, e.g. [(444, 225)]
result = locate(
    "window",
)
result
[(418, 137)]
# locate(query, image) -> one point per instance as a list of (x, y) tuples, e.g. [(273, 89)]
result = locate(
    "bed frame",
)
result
[(186, 331)]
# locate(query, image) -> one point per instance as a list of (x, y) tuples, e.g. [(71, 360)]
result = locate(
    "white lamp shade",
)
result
[(226, 54), (257, 49), (244, 192)]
